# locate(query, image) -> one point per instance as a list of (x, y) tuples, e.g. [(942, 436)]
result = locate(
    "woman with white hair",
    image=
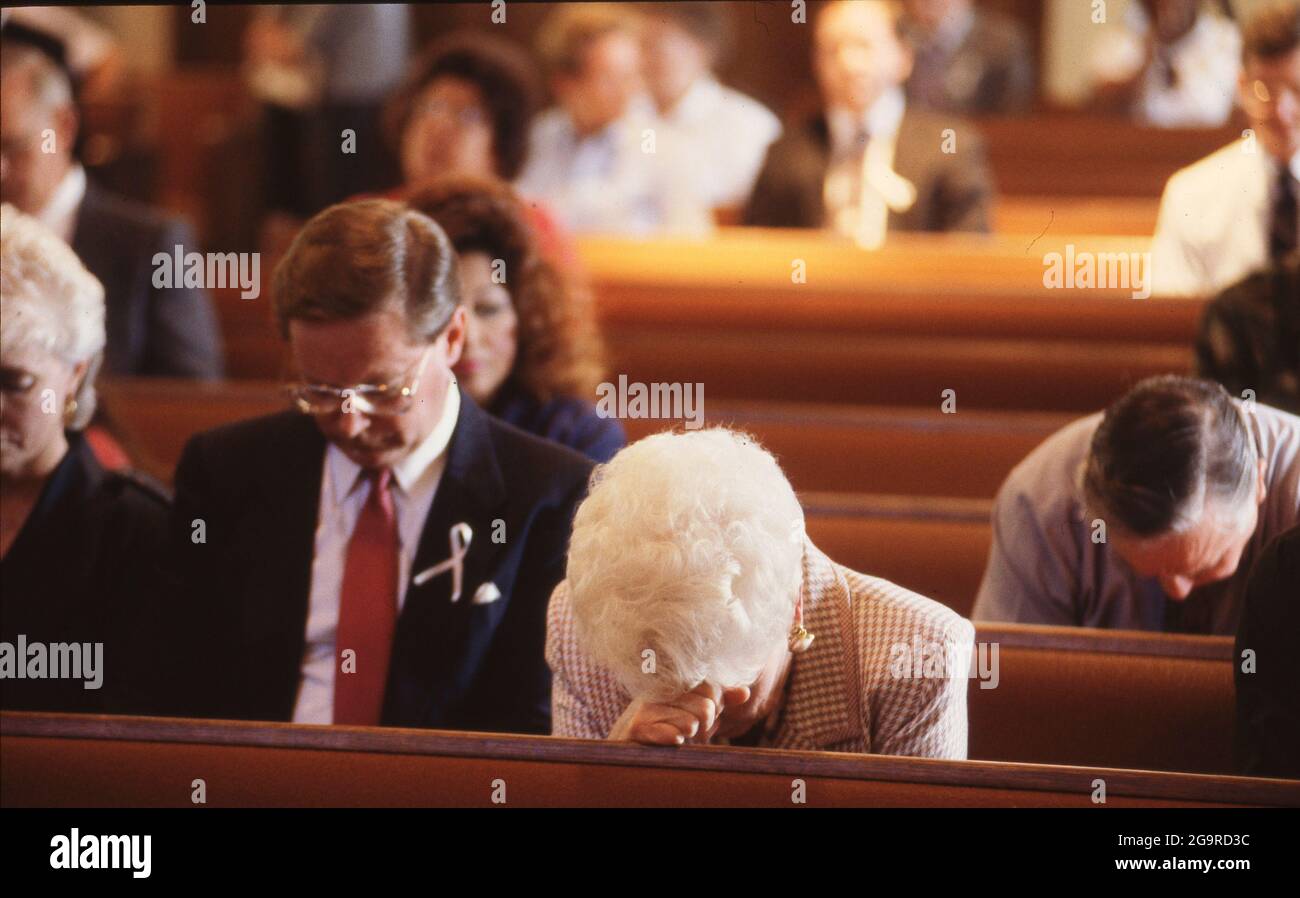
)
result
[(695, 609), (77, 543)]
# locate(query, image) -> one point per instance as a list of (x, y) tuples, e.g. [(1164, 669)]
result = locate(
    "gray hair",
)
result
[(49, 300), (1164, 451)]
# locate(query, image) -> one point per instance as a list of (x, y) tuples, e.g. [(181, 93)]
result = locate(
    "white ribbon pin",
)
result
[(460, 537)]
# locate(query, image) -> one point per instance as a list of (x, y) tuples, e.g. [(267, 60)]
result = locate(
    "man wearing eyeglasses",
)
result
[(1236, 211), (383, 553)]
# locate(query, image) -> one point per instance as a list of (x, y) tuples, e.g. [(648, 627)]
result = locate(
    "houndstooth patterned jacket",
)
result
[(850, 692)]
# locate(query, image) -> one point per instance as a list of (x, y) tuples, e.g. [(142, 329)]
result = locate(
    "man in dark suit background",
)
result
[(967, 60), (384, 554), (166, 332), (869, 163)]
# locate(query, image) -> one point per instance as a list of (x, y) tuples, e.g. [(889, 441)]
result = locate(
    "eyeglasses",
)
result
[(1261, 95), (376, 400), (465, 116)]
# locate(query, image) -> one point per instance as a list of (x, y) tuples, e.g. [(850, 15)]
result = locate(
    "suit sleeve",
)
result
[(967, 197), (193, 580), (783, 195), (585, 699), (184, 339), (1268, 698), (1176, 269), (933, 722)]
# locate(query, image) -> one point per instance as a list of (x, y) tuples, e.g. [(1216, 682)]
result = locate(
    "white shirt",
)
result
[(343, 494), (610, 182), (1205, 62), (730, 133), (1214, 219), (60, 213), (861, 185)]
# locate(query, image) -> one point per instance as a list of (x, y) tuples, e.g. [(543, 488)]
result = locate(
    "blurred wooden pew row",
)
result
[(907, 451), (1105, 698), (86, 761), (1008, 375), (1115, 215), (1088, 169), (782, 281), (1081, 155), (933, 545)]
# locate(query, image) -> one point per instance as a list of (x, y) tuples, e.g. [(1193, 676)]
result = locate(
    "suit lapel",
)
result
[(438, 641)]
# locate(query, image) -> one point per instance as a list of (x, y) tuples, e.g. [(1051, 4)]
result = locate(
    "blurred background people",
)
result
[(967, 60), (466, 107), (1249, 337), (532, 353), (601, 159), (728, 132), (691, 547), (78, 544), (1145, 517), (320, 70), (92, 52), (1268, 696), (870, 163), (1236, 211), (1171, 64), (159, 331)]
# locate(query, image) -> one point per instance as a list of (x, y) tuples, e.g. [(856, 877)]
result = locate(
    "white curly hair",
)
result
[(688, 545), (48, 300)]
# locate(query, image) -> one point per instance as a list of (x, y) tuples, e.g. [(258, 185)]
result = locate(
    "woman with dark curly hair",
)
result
[(533, 356), (465, 108)]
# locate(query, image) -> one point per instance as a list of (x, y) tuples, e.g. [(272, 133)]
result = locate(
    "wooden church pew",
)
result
[(1067, 695), (908, 451), (86, 761)]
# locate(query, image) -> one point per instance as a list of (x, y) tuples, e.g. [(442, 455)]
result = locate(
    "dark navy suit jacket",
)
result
[(152, 331), (564, 420), (244, 592)]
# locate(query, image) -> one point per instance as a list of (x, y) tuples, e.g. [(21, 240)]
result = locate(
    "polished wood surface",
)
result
[(87, 761)]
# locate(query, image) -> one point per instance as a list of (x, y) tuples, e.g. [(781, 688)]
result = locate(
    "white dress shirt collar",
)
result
[(413, 469), (881, 120), (60, 213)]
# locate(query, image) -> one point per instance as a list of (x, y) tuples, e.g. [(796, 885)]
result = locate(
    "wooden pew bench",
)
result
[(822, 448), (86, 761), (1106, 698)]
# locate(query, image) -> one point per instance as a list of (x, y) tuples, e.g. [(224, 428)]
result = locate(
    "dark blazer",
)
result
[(1268, 699), (1249, 336), (954, 190), (564, 420), (244, 592), (160, 332), (83, 569), (990, 73)]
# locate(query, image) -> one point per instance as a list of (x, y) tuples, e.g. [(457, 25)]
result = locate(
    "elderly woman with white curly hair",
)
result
[(696, 610), (77, 543)]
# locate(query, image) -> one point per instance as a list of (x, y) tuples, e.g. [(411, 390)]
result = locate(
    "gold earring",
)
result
[(800, 639), (69, 408)]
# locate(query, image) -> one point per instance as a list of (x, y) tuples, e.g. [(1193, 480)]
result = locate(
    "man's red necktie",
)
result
[(367, 608)]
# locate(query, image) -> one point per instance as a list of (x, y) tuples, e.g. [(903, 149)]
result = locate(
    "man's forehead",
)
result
[(852, 21)]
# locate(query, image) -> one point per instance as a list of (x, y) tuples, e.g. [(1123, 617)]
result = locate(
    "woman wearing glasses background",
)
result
[(466, 108), (78, 544), (533, 356)]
